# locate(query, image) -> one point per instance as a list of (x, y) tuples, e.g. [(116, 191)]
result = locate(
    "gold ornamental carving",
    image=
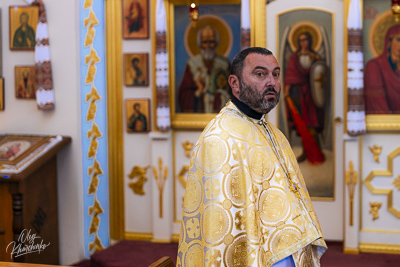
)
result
[(181, 175), (385, 191), (396, 183), (141, 174), (351, 182), (94, 171), (376, 151), (160, 175), (375, 206), (187, 146)]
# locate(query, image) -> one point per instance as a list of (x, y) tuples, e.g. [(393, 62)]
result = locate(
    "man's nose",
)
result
[(270, 81)]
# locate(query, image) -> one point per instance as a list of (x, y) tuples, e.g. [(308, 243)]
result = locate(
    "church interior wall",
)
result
[(22, 115)]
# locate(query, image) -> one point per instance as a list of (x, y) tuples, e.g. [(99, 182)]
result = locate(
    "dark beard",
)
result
[(256, 100)]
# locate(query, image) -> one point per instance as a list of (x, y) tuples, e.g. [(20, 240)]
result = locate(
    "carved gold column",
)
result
[(351, 181), (160, 177)]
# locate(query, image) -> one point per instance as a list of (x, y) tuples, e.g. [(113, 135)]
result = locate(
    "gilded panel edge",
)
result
[(379, 248), (138, 236)]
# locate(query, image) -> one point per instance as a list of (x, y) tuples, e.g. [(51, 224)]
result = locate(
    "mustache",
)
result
[(270, 89)]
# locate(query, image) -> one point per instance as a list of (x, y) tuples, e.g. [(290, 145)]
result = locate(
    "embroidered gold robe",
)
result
[(241, 206)]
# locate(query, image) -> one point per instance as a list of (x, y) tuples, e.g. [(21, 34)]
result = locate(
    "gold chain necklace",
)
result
[(292, 185)]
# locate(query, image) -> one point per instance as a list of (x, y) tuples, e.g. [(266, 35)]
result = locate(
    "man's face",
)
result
[(395, 46), (260, 83), (24, 19), (208, 43), (208, 39)]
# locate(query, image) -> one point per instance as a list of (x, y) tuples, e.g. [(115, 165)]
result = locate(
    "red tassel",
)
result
[(311, 148)]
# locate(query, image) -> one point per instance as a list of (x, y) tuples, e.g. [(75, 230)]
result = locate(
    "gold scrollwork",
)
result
[(396, 183), (160, 177), (181, 175), (140, 173), (383, 191), (187, 146), (351, 181), (375, 206), (376, 151)]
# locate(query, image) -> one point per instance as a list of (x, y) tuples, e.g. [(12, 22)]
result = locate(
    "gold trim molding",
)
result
[(138, 236), (351, 251), (115, 116), (382, 191), (379, 248), (382, 122)]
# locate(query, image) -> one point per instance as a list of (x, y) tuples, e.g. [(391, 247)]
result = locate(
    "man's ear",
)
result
[(234, 83)]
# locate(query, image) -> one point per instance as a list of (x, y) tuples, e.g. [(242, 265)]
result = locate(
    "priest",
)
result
[(246, 203)]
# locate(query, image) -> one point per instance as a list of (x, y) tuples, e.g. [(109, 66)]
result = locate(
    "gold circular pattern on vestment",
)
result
[(265, 185), (237, 127), (260, 164), (228, 239), (193, 194), (226, 168), (240, 253), (224, 135), (194, 255), (227, 204), (212, 154), (237, 185), (215, 223), (274, 206), (212, 188), (284, 238)]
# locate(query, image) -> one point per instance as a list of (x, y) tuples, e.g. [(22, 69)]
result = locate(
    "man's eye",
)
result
[(260, 74), (277, 75)]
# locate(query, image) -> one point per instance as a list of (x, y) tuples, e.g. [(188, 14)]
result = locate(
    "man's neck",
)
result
[(246, 109)]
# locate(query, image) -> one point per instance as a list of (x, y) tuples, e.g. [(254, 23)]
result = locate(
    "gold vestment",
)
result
[(246, 203)]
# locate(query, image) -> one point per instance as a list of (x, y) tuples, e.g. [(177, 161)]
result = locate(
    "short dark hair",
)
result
[(238, 61), (134, 60)]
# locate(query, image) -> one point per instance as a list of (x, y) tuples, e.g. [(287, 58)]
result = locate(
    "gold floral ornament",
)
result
[(376, 151), (95, 132), (351, 181), (187, 146), (396, 182), (141, 174), (375, 206), (160, 177)]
